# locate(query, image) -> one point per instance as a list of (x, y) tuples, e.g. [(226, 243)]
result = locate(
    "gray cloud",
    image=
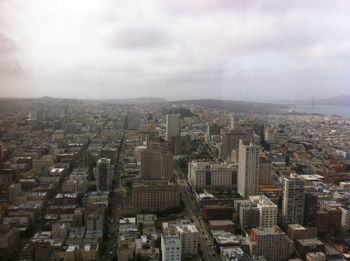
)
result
[(249, 49)]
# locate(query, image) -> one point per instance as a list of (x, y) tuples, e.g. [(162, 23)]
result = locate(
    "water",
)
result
[(343, 111)]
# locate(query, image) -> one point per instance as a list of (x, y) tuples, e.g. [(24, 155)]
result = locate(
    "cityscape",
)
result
[(89, 180), (174, 130)]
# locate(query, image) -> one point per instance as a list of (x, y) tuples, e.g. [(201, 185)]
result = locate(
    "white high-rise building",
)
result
[(171, 248), (173, 126), (232, 121), (188, 235), (248, 169), (103, 174), (293, 200), (267, 211)]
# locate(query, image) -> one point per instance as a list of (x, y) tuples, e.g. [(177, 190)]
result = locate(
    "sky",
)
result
[(255, 50)]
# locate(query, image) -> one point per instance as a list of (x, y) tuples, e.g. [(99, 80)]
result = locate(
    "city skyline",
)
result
[(235, 50)]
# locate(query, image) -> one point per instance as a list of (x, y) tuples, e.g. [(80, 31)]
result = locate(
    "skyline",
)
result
[(233, 50)]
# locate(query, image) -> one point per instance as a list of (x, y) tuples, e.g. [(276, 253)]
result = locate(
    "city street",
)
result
[(204, 239)]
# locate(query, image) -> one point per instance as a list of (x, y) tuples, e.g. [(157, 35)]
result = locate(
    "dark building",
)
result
[(218, 212), (310, 211)]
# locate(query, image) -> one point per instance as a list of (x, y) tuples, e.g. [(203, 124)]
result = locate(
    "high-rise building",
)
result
[(249, 216), (232, 121), (212, 175), (271, 243), (310, 209), (173, 125), (171, 248), (156, 164), (265, 170), (267, 211), (103, 174), (248, 169), (188, 235), (293, 200), (230, 142), (155, 196)]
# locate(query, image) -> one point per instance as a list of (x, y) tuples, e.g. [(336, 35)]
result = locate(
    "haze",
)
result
[(181, 49)]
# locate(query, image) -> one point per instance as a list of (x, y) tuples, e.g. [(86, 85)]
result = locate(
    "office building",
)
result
[(103, 174), (230, 142), (171, 248), (249, 216), (232, 121), (173, 125), (248, 169), (155, 196), (271, 243), (265, 170), (156, 164), (267, 211), (212, 176), (293, 200), (310, 209), (188, 235)]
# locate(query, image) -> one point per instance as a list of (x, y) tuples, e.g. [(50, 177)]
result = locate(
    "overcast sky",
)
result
[(175, 49)]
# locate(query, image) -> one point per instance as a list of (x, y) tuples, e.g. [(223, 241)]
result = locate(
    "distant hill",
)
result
[(141, 100), (341, 100), (238, 106)]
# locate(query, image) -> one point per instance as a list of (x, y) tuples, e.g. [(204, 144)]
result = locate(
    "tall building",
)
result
[(155, 195), (293, 200), (265, 170), (310, 209), (156, 164), (271, 243), (212, 175), (232, 121), (171, 248), (248, 169), (249, 216), (103, 174), (230, 142), (267, 211), (173, 125), (188, 235)]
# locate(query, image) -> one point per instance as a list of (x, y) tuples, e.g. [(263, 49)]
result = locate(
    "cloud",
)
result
[(177, 48), (9, 65)]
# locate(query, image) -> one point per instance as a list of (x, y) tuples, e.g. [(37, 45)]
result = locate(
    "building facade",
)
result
[(171, 248), (103, 174), (211, 176), (248, 169), (173, 125), (155, 196), (293, 200)]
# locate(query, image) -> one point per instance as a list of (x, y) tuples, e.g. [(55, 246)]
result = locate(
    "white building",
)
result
[(248, 169), (267, 211), (173, 125), (293, 200), (171, 248), (211, 176), (188, 235), (103, 174)]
